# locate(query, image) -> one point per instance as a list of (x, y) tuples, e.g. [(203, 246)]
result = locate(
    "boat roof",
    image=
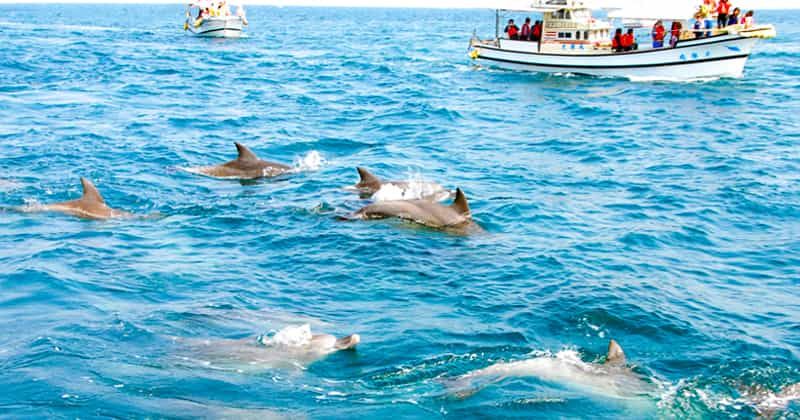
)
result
[(211, 3), (554, 5), (542, 5), (647, 9), (617, 9)]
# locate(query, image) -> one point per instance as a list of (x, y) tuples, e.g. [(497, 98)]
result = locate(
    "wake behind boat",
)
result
[(571, 40), (214, 19)]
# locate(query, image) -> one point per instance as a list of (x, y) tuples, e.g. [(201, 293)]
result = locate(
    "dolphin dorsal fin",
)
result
[(245, 153), (615, 354), (460, 203), (90, 193), (367, 179)]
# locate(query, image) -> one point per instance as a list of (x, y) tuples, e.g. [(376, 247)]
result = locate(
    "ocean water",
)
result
[(663, 215)]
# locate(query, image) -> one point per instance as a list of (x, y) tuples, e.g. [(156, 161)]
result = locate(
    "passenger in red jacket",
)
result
[(616, 42), (525, 32), (659, 32), (723, 9), (536, 33), (512, 30), (629, 41), (675, 33)]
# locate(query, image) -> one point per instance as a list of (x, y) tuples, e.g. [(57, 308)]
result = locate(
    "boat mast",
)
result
[(496, 23)]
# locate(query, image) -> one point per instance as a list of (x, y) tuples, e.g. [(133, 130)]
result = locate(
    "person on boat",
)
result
[(512, 30), (698, 24), (675, 33), (525, 32), (659, 32), (723, 8), (733, 19), (748, 20), (224, 9), (629, 41), (536, 32), (706, 10), (616, 42)]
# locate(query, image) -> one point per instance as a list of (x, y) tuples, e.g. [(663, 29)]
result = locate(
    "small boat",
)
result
[(214, 19), (574, 42)]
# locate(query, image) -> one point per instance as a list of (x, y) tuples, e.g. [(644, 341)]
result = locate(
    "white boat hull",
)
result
[(715, 57), (218, 27)]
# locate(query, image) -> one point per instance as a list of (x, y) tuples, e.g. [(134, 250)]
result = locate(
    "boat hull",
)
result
[(218, 27), (715, 57)]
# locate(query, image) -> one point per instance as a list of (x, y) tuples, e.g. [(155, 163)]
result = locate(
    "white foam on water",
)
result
[(414, 188), (58, 26), (648, 79), (32, 205), (312, 161), (289, 336)]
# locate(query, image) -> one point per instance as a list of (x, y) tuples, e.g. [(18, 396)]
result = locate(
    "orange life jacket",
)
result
[(627, 40), (512, 31), (659, 33)]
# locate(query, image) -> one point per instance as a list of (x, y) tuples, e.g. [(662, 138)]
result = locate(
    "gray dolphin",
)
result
[(270, 352), (613, 378), (424, 212), (90, 206), (369, 184), (768, 404), (246, 166)]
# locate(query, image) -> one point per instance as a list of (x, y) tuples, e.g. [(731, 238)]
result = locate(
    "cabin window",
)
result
[(585, 34), (562, 14), (577, 35)]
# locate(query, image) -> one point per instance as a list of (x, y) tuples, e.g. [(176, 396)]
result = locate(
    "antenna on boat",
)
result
[(496, 23)]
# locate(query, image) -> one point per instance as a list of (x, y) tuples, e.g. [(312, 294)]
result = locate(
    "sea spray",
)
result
[(311, 161)]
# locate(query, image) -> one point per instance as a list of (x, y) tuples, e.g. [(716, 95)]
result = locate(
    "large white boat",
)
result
[(573, 41), (214, 19)]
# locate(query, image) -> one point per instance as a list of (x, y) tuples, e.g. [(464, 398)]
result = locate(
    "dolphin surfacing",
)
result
[(289, 347), (611, 379), (246, 166), (90, 206), (424, 212), (369, 185)]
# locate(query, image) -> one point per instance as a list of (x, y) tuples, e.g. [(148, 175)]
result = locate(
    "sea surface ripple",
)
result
[(664, 215)]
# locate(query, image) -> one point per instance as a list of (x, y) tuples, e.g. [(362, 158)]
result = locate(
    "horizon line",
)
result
[(357, 4)]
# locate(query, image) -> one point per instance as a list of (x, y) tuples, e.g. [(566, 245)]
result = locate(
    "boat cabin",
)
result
[(573, 29), (567, 27)]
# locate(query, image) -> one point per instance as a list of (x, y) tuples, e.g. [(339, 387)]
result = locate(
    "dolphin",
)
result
[(291, 346), (246, 166), (770, 404), (613, 378), (424, 212), (90, 206), (368, 185)]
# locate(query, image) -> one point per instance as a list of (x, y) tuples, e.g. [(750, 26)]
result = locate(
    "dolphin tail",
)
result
[(245, 153), (348, 343), (460, 203), (90, 192), (367, 179), (615, 353)]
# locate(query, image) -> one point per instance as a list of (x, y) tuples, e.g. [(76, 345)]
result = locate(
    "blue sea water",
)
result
[(663, 215)]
